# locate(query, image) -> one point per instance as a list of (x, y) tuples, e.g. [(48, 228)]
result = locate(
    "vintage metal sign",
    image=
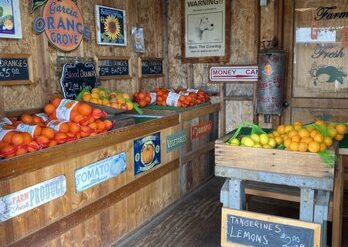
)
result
[(95, 173), (147, 153), (176, 141), (201, 129), (63, 24), (24, 200), (233, 73)]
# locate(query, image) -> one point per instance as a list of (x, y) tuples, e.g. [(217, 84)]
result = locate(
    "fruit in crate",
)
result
[(254, 140), (62, 121), (105, 97)]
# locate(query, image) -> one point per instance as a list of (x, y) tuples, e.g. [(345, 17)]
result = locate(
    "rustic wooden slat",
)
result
[(321, 213), (33, 161), (319, 103), (277, 161), (198, 112), (63, 225), (198, 152), (307, 204)]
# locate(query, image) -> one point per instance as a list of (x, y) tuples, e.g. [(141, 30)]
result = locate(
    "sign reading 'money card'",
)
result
[(63, 24)]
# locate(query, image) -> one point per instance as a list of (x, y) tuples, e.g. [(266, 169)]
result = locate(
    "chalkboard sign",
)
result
[(151, 67), (14, 69), (75, 77), (111, 68), (241, 228)]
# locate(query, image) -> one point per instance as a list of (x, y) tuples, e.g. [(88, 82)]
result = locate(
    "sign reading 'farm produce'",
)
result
[(24, 200), (63, 24), (242, 228)]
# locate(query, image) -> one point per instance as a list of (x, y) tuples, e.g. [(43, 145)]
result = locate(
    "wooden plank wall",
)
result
[(246, 19), (145, 13)]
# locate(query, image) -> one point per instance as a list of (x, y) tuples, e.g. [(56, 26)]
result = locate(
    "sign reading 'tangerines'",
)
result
[(63, 24)]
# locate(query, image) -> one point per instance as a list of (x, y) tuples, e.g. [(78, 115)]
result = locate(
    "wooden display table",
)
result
[(305, 171), (63, 200)]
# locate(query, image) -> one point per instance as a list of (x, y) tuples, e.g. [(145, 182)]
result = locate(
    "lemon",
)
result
[(257, 145), (247, 141), (267, 146), (234, 142), (255, 138), (264, 139), (272, 142)]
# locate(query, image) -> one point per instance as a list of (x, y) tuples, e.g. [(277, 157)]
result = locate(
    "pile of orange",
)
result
[(29, 133), (318, 138)]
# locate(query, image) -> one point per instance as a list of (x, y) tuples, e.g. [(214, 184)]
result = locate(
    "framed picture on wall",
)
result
[(10, 19), (111, 26), (206, 29)]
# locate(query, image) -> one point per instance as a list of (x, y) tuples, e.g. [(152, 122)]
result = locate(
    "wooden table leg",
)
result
[(307, 204), (321, 212), (236, 194), (338, 203)]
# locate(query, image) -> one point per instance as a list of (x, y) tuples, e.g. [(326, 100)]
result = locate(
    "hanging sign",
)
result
[(14, 68), (147, 153), (201, 129), (24, 200), (112, 67), (176, 141), (63, 24), (95, 173), (233, 73), (75, 77), (242, 228)]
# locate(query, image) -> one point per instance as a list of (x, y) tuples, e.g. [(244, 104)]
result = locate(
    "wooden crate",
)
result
[(271, 160), (197, 155), (98, 215)]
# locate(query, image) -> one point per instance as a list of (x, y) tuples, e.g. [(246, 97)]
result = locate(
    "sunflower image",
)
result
[(112, 27)]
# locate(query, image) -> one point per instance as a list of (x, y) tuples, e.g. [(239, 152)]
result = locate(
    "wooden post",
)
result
[(307, 204)]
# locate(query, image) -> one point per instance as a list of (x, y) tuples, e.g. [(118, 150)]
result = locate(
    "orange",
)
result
[(339, 137), (313, 147), (318, 138), (303, 147), (85, 109), (307, 140), (294, 146), (37, 120), (328, 141), (26, 138), (332, 131), (297, 127), (314, 133), (7, 151), (303, 133), (64, 127), (296, 138), (298, 123), (37, 131), (48, 132), (17, 139), (108, 124), (74, 127), (33, 146), (94, 101), (322, 147), (279, 140), (60, 137), (42, 140), (93, 126), (55, 101), (8, 137), (292, 133), (86, 97), (52, 143), (309, 128), (100, 125), (27, 119), (281, 129), (49, 109), (320, 123), (341, 129), (21, 150)]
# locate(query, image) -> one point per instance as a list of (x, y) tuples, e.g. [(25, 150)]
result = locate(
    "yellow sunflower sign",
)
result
[(111, 26)]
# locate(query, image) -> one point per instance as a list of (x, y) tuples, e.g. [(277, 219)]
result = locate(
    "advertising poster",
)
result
[(10, 19), (111, 26), (147, 153), (205, 28)]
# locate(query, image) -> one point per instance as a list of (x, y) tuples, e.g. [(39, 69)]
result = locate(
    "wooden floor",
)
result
[(195, 220)]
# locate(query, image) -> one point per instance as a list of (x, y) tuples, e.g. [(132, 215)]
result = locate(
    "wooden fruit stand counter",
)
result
[(200, 125), (305, 172), (75, 214)]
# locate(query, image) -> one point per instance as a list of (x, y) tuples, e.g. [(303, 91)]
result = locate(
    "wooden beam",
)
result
[(198, 112), (319, 103), (198, 152)]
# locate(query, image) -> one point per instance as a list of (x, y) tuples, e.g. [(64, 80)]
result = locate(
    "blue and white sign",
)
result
[(147, 153), (95, 173), (24, 200)]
